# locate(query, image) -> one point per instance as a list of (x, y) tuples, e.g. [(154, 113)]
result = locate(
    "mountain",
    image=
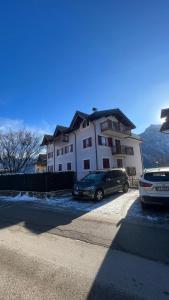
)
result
[(155, 147)]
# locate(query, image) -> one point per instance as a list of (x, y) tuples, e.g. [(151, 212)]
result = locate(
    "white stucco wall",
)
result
[(50, 161), (66, 157), (90, 152), (134, 160), (87, 153)]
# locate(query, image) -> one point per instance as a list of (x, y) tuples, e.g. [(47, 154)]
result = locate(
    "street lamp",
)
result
[(165, 126)]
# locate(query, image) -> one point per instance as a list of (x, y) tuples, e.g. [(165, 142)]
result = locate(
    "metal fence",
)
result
[(39, 182), (134, 181)]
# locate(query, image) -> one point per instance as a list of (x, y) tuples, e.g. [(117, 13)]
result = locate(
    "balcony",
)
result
[(114, 128), (122, 150)]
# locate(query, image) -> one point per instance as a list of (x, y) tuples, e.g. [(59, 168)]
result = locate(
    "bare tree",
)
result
[(17, 149)]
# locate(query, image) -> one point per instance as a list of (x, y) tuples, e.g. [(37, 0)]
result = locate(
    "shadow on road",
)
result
[(136, 236), (39, 220)]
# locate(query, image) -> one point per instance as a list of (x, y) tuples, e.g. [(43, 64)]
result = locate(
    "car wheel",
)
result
[(99, 195), (125, 188)]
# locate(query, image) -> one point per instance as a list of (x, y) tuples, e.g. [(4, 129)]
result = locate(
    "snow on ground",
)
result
[(124, 205), (113, 204), (153, 214)]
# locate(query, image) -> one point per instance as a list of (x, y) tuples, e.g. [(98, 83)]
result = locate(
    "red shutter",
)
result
[(86, 164), (106, 163), (110, 142)]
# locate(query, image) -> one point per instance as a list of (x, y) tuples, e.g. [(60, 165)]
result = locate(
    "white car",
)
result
[(154, 187)]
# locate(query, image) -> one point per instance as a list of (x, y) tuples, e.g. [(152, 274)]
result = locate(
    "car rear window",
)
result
[(95, 176), (117, 173), (157, 176)]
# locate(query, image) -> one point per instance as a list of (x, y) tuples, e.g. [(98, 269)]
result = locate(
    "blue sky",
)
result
[(57, 57)]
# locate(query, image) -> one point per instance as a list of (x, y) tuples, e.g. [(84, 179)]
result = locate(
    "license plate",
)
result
[(162, 188)]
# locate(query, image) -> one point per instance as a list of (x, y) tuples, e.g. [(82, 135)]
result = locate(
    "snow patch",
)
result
[(126, 205)]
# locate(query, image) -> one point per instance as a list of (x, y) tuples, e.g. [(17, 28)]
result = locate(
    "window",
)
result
[(96, 176), (129, 150), (50, 154), (87, 143), (86, 164), (50, 168), (85, 123), (60, 151), (110, 142), (69, 166), (119, 163), (105, 141), (106, 163), (157, 176), (131, 171), (66, 149), (65, 138), (60, 167), (69, 148), (117, 173)]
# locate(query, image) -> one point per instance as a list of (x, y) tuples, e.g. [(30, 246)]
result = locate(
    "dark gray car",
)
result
[(100, 183)]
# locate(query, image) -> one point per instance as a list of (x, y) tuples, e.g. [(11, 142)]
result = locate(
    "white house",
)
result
[(97, 141)]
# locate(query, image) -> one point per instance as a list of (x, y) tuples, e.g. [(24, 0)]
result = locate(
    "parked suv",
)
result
[(154, 186), (100, 183)]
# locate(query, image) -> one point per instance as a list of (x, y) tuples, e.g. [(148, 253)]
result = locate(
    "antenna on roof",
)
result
[(94, 109)]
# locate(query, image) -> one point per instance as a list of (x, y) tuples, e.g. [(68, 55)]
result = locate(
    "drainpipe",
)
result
[(96, 145)]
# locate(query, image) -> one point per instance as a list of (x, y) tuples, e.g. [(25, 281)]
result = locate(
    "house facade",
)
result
[(41, 163), (101, 140)]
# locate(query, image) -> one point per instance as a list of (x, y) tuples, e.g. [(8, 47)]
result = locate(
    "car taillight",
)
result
[(145, 184)]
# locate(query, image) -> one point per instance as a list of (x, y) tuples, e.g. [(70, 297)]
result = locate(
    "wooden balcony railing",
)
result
[(126, 150), (114, 126)]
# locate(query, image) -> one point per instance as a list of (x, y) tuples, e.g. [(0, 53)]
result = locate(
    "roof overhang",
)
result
[(59, 130), (113, 112), (46, 140), (77, 119)]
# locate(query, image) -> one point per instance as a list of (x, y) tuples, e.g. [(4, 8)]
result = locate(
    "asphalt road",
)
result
[(128, 235), (47, 254)]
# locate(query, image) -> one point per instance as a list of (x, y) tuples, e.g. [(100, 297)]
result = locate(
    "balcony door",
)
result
[(118, 146), (119, 163)]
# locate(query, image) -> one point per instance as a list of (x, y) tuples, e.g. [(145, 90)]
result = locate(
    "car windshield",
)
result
[(93, 177), (157, 176)]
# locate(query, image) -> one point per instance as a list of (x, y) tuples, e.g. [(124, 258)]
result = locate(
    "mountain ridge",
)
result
[(155, 147)]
